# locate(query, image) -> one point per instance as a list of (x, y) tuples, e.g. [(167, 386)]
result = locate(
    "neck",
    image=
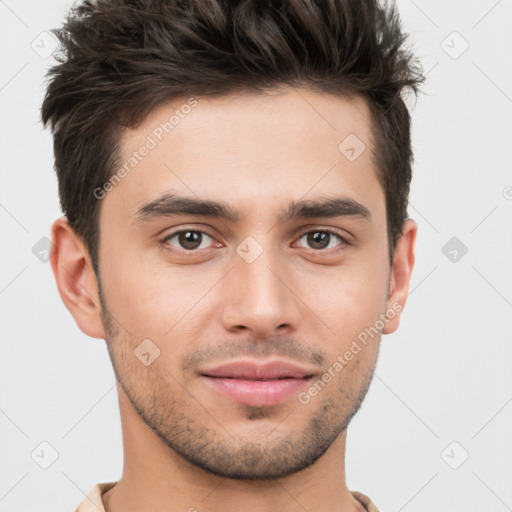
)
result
[(157, 478)]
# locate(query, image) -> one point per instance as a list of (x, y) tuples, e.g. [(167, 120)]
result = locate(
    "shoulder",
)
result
[(367, 502), (93, 501)]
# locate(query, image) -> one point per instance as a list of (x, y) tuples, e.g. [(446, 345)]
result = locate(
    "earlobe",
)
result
[(403, 263), (76, 280)]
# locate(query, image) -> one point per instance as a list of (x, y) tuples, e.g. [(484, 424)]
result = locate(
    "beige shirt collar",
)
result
[(94, 503)]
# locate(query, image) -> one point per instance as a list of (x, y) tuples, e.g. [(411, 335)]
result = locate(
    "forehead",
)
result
[(287, 144)]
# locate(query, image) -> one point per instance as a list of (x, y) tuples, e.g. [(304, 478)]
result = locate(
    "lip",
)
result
[(257, 384)]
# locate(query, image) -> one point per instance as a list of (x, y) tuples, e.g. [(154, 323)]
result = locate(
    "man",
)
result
[(234, 177)]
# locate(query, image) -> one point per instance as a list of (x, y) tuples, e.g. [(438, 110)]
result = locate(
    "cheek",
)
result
[(346, 299), (153, 300)]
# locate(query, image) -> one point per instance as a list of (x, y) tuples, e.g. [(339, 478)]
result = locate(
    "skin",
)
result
[(187, 446)]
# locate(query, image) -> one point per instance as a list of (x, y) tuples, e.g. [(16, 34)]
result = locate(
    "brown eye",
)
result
[(188, 240), (323, 239)]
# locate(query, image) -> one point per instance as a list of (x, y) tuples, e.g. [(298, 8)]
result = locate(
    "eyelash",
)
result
[(164, 241)]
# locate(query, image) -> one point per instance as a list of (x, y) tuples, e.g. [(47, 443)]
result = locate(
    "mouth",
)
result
[(257, 384)]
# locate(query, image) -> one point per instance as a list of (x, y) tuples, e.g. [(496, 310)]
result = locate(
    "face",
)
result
[(223, 319)]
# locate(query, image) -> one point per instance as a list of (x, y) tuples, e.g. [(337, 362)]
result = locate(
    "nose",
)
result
[(259, 297)]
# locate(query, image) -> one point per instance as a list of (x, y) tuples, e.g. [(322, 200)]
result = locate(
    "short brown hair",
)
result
[(122, 58)]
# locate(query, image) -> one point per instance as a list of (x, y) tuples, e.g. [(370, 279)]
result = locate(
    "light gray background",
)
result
[(443, 377)]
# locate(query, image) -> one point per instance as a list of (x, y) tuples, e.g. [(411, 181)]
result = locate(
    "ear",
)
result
[(76, 280), (403, 262)]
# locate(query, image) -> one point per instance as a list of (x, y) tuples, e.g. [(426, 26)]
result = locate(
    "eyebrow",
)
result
[(170, 205)]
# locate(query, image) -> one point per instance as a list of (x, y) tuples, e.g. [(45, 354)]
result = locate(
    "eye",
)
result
[(320, 240), (188, 239), (193, 240)]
